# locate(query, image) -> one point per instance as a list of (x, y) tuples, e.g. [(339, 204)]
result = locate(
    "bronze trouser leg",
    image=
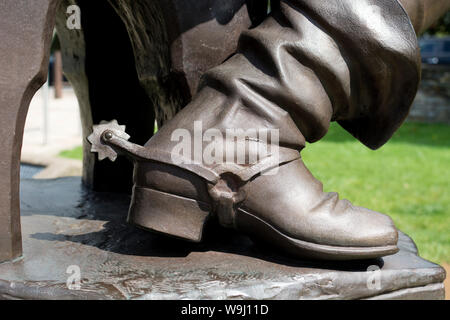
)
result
[(323, 61), (312, 62), (339, 60), (26, 29), (335, 60)]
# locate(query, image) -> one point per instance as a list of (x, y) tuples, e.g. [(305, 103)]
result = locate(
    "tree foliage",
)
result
[(442, 27)]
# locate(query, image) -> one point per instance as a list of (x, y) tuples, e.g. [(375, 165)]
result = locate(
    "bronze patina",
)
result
[(306, 64), (295, 69)]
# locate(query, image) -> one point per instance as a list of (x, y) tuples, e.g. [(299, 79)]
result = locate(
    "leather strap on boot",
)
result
[(109, 139)]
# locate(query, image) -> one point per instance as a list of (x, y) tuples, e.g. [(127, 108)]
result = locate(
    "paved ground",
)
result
[(44, 139)]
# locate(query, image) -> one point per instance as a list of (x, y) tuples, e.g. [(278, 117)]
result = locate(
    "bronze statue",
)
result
[(306, 64), (294, 70)]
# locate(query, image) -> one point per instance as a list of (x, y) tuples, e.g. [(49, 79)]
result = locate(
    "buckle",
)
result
[(227, 195)]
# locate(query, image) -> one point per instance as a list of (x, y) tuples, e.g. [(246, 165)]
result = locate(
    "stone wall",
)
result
[(432, 103)]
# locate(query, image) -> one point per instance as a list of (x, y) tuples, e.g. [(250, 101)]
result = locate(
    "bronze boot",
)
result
[(310, 62)]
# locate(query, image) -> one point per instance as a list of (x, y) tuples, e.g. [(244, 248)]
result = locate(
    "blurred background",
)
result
[(408, 178)]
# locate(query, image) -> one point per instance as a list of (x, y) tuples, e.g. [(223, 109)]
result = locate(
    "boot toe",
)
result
[(371, 229)]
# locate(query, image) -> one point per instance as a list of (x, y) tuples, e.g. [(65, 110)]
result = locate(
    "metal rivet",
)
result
[(108, 135)]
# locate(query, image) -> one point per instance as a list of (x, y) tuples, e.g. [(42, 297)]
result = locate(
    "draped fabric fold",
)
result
[(355, 62)]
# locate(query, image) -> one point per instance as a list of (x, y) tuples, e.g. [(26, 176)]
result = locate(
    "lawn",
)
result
[(76, 153), (408, 179)]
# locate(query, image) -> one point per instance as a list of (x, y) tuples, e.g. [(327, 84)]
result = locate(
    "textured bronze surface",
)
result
[(66, 225), (308, 63), (25, 36), (305, 65), (361, 75), (288, 210)]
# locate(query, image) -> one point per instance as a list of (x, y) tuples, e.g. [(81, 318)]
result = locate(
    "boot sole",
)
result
[(185, 218), (261, 230)]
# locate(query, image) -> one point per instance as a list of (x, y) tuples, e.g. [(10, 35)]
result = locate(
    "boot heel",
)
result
[(170, 214)]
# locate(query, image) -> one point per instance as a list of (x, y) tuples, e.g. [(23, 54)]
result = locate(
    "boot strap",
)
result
[(211, 174)]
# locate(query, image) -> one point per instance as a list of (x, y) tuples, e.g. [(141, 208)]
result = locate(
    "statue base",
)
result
[(77, 245)]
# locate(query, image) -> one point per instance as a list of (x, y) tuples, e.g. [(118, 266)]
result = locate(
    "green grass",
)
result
[(408, 179), (76, 153)]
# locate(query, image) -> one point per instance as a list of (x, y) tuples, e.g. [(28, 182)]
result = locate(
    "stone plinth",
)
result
[(63, 225)]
